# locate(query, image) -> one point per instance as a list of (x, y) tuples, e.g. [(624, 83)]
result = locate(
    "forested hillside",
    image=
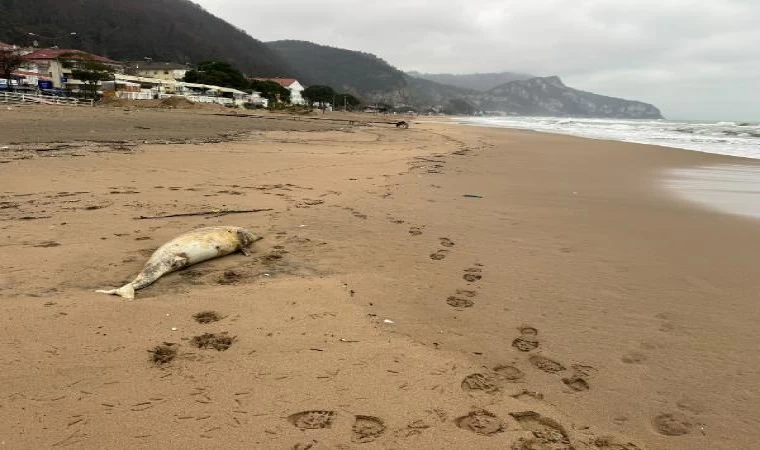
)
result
[(360, 73), (165, 30)]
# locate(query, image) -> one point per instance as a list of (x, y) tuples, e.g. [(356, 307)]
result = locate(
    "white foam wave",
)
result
[(725, 138)]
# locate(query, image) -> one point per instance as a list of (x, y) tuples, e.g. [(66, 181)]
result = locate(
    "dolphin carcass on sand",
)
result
[(185, 250)]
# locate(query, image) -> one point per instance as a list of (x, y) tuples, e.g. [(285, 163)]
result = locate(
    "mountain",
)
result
[(474, 81), (363, 75), (181, 31), (358, 73), (374, 80), (165, 30), (548, 96)]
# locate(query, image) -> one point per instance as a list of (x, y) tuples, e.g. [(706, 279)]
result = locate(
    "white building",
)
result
[(291, 84), (163, 70)]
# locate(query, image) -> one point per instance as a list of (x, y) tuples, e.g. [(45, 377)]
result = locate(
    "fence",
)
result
[(18, 98), (210, 99)]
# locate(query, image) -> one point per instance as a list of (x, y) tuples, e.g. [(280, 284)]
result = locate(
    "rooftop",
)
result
[(56, 53), (284, 82)]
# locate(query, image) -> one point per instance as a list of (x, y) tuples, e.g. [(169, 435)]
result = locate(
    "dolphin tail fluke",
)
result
[(127, 291)]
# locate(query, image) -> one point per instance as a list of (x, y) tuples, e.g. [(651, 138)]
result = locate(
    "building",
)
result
[(49, 62), (162, 70), (291, 84)]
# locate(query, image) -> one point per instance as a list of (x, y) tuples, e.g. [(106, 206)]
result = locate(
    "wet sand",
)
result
[(436, 287)]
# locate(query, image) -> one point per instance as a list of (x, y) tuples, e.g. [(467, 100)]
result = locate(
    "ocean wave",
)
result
[(725, 138)]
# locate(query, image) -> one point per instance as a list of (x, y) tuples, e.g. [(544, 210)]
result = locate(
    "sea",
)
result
[(725, 138), (728, 188)]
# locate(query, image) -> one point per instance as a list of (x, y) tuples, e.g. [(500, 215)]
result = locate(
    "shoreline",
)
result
[(693, 174), (610, 139), (571, 297)]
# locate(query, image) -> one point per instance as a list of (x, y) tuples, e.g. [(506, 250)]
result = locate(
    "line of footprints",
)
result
[(526, 342), (365, 428), (463, 298)]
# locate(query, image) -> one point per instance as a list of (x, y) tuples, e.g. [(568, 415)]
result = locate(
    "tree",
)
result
[(270, 90), (87, 70), (346, 100), (217, 73), (10, 60), (319, 94), (459, 106)]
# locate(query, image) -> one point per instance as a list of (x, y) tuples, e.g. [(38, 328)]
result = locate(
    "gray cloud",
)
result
[(692, 59)]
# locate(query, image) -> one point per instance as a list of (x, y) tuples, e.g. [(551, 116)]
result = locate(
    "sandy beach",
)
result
[(443, 286)]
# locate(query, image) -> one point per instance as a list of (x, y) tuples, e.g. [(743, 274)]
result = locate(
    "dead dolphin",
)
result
[(185, 250)]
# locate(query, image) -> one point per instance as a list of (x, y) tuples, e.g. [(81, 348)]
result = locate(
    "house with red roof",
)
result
[(290, 84), (49, 62)]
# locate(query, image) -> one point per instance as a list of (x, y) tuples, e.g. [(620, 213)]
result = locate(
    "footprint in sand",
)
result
[(207, 317), (508, 373), (415, 231), (576, 383), (218, 341), (162, 354), (583, 370), (479, 382), (610, 443), (367, 428), (446, 242), (547, 433), (672, 424), (481, 422), (438, 255), (528, 341), (304, 445), (525, 344), (312, 420), (492, 381), (459, 302), (526, 394), (472, 274), (546, 364)]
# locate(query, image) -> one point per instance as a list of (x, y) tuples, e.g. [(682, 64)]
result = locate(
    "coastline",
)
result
[(644, 297), (725, 138)]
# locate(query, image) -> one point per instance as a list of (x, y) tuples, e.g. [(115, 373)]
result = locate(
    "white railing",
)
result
[(209, 99), (16, 97)]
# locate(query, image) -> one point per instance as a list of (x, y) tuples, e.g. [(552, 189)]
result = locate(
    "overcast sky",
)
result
[(693, 59)]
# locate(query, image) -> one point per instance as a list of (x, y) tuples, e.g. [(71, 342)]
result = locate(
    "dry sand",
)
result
[(570, 304)]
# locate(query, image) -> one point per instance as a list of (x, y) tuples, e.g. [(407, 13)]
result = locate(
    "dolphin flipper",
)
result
[(127, 291)]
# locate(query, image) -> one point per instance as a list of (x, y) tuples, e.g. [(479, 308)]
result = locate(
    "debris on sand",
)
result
[(162, 354), (207, 317)]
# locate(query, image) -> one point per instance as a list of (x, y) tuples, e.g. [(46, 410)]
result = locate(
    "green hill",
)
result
[(359, 73), (165, 30), (362, 74)]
